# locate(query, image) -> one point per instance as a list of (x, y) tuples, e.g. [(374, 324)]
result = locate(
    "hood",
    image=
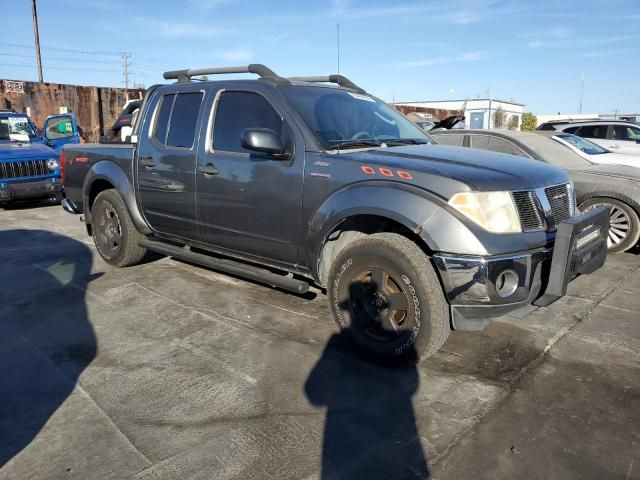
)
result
[(11, 151), (611, 170), (479, 169)]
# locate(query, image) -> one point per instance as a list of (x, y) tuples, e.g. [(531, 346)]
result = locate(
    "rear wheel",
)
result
[(386, 296), (114, 234), (624, 229)]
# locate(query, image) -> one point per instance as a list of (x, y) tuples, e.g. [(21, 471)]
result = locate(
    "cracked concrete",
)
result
[(166, 370)]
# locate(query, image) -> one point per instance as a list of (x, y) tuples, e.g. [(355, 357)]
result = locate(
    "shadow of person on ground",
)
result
[(46, 340), (370, 427)]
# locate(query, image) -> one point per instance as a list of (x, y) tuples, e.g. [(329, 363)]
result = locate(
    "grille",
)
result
[(559, 198), (25, 168), (528, 210)]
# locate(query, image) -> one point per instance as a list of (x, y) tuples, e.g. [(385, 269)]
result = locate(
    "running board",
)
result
[(228, 266)]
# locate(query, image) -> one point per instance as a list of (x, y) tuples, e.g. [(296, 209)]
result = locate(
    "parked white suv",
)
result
[(617, 136)]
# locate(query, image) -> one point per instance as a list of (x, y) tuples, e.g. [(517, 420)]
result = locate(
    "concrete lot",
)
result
[(169, 371)]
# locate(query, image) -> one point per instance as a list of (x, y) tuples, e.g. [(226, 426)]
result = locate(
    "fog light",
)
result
[(507, 283)]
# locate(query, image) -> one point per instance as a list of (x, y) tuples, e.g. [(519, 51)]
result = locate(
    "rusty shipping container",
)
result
[(96, 108)]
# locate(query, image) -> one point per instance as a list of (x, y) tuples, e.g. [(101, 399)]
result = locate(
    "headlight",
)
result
[(52, 164), (493, 211)]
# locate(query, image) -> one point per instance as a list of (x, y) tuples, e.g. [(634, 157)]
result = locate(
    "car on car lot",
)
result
[(615, 186), (595, 153), (29, 166), (293, 181), (616, 135)]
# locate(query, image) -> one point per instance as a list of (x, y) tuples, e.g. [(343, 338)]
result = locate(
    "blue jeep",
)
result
[(29, 166)]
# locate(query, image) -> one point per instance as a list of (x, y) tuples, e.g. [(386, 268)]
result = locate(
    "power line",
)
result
[(68, 50), (57, 67)]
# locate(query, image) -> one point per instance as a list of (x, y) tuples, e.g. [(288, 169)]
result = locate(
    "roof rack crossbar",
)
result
[(185, 75), (337, 79)]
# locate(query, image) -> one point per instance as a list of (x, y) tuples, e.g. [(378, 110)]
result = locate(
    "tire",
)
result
[(419, 325), (114, 234), (624, 231)]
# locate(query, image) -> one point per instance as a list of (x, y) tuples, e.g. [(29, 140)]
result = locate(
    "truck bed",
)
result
[(81, 157)]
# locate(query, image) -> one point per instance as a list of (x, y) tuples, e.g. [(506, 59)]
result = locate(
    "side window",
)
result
[(237, 111), (633, 133), (162, 118), (495, 144), (620, 132), (570, 129), (182, 128), (593, 131), (455, 140), (480, 141), (504, 146)]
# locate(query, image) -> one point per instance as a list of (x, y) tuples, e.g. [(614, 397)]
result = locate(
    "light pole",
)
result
[(37, 38)]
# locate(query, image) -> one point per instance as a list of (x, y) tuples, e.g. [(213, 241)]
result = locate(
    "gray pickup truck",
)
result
[(310, 180)]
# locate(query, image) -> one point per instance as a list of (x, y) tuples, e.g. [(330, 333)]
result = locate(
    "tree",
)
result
[(499, 117), (512, 124), (529, 122)]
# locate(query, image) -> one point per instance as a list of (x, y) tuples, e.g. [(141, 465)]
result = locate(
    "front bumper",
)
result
[(9, 191), (481, 288)]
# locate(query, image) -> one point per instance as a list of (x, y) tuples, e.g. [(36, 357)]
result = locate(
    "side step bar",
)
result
[(229, 266)]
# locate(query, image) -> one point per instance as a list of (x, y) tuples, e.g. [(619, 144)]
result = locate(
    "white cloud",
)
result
[(236, 55), (582, 42), (462, 58)]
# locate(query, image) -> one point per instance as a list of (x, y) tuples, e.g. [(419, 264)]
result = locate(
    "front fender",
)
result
[(426, 214), (111, 172)]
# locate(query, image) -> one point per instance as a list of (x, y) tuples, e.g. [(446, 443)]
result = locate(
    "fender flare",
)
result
[(414, 208), (111, 172)]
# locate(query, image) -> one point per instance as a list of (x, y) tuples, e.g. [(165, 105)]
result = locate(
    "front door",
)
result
[(249, 202), (167, 159), (59, 130)]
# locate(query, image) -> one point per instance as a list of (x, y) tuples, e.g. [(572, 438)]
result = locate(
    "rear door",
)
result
[(624, 139), (249, 202), (59, 130), (166, 161)]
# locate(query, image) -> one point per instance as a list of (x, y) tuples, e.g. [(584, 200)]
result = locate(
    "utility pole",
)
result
[(489, 123), (34, 13), (125, 72)]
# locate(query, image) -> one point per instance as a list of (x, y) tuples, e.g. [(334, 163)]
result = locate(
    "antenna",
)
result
[(581, 93), (338, 38)]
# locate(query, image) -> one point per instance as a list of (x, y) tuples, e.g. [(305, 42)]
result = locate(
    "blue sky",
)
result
[(534, 52)]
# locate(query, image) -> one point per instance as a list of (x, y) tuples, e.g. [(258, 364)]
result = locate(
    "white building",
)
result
[(478, 111)]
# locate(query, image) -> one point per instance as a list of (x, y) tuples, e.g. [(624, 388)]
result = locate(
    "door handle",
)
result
[(148, 162), (614, 146), (209, 169)]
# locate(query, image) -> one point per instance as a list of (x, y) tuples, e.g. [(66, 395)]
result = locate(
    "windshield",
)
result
[(343, 119), (583, 145), (16, 127)]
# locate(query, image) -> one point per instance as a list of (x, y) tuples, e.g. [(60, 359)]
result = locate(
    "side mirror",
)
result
[(263, 140)]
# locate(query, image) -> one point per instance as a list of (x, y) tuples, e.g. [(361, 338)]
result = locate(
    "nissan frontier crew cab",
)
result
[(310, 180)]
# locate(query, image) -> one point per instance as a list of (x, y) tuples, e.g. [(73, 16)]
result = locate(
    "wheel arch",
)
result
[(369, 207), (104, 175)]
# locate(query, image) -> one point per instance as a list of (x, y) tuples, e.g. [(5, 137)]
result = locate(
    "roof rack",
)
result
[(185, 75), (337, 79)]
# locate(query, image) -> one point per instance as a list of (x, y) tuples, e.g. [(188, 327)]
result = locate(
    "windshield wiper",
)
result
[(356, 144), (405, 141)]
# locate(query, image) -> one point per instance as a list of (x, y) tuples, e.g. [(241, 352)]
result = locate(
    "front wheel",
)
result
[(386, 296), (624, 225), (114, 234)]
